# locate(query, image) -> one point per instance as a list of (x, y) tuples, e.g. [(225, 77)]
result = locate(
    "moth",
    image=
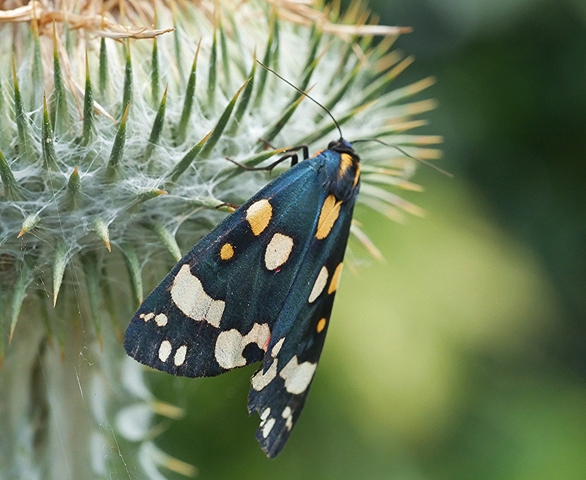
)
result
[(259, 287)]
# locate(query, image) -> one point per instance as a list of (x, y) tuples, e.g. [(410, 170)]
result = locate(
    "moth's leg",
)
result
[(268, 168), (296, 148), (304, 148), (290, 153)]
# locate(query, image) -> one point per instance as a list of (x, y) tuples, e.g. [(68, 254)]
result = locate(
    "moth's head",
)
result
[(343, 146)]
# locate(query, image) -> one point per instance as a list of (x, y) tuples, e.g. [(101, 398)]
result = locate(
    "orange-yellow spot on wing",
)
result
[(327, 217), (227, 251), (345, 163), (321, 325), (259, 215), (357, 177), (335, 279)]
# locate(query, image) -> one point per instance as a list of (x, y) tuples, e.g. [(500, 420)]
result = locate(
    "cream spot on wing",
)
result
[(319, 285), (215, 312), (321, 325), (268, 426), (147, 317), (327, 217), (335, 278), (165, 350), (259, 215), (189, 296), (288, 416), (180, 355), (260, 380), (265, 414), (161, 319), (278, 251), (259, 334), (277, 348), (229, 349), (297, 376), (230, 344)]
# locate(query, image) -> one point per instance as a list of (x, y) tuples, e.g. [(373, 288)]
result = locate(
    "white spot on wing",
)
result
[(277, 348), (259, 334), (319, 285), (231, 344), (215, 312), (229, 348), (297, 376), (189, 296), (261, 380), (147, 317), (165, 350), (265, 414), (278, 251), (266, 423), (268, 426), (180, 355), (288, 416), (161, 319)]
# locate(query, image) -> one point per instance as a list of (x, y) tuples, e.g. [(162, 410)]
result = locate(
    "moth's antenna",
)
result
[(304, 94), (424, 162)]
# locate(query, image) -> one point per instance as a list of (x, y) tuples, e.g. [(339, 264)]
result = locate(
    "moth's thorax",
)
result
[(342, 170)]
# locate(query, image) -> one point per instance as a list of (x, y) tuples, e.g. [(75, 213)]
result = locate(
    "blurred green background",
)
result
[(464, 355)]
